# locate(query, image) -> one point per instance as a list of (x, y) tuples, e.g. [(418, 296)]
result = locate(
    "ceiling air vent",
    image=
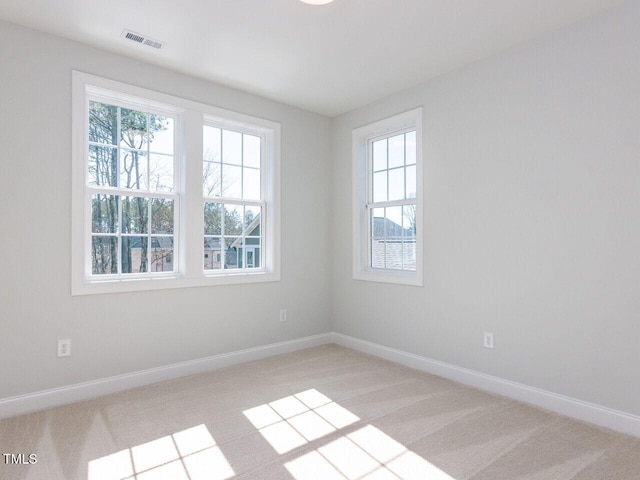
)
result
[(136, 37)]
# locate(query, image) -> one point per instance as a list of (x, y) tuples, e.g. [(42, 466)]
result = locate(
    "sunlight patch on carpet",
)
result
[(190, 454), (367, 454), (364, 454), (293, 421)]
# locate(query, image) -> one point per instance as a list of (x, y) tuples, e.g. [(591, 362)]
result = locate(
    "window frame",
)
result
[(362, 181), (104, 96), (188, 176)]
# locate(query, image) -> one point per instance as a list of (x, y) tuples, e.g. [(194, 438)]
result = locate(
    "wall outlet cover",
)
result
[(64, 348)]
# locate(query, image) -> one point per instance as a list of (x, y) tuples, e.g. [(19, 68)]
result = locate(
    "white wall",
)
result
[(532, 217), (121, 333), (532, 169)]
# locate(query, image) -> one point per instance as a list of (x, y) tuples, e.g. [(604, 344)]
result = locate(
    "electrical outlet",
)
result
[(283, 315), (64, 348), (488, 340)]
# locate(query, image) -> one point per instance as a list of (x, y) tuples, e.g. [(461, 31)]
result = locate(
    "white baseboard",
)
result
[(570, 407), (31, 402)]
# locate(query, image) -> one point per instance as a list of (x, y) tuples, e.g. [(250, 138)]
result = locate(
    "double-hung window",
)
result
[(168, 192), (388, 200)]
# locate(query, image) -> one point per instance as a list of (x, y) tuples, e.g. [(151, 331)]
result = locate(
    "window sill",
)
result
[(389, 276), (98, 287)]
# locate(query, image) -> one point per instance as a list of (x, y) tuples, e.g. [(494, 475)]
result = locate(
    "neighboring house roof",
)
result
[(383, 227), (253, 229), (162, 242), (395, 255), (212, 244), (156, 242)]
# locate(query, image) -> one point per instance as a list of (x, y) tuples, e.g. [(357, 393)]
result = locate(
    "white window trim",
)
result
[(188, 181), (361, 179)]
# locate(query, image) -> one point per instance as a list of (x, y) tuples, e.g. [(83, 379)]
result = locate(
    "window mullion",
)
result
[(191, 235), (119, 233), (149, 223)]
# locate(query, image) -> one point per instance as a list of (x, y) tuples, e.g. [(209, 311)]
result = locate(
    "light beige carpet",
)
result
[(321, 413)]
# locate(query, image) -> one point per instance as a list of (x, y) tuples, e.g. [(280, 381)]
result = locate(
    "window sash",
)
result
[(223, 199), (371, 205), (262, 206), (111, 99)]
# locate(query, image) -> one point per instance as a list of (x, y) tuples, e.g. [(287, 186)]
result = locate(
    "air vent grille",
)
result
[(142, 39)]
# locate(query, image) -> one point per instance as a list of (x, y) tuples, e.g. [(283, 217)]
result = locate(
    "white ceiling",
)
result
[(327, 59)]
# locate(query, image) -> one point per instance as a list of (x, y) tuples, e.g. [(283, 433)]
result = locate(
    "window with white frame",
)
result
[(130, 188), (388, 200), (233, 202), (146, 167)]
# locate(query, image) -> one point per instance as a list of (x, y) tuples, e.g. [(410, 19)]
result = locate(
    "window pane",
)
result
[(378, 241), (248, 253), (104, 259), (251, 152), (133, 129), (378, 248), (411, 182), (104, 213), (409, 254), (103, 123), (378, 238), (394, 238), (212, 253), (212, 219), (409, 246), (393, 222), (161, 254), (378, 227), (396, 151), (135, 215), (410, 139), (161, 134), (211, 137), (380, 186), (251, 184), (409, 220), (134, 254), (233, 215), (211, 179), (103, 166), (161, 215), (231, 147), (161, 173), (396, 184), (380, 155), (231, 248), (231, 181), (133, 170), (252, 219)]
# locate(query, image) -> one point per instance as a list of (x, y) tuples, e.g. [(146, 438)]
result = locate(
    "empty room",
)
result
[(315, 239)]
